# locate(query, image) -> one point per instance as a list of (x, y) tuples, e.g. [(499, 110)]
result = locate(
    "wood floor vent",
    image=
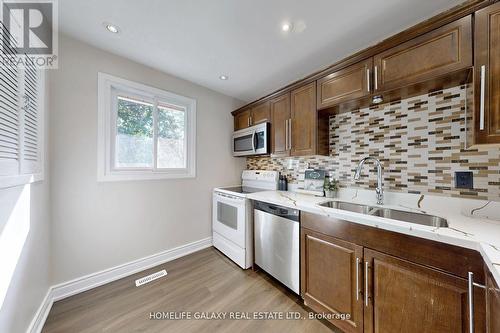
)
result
[(150, 278)]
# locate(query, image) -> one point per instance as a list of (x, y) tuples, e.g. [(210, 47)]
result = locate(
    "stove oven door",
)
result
[(229, 217)]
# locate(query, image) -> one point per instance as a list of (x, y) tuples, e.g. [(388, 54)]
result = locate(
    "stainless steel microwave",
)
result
[(253, 140)]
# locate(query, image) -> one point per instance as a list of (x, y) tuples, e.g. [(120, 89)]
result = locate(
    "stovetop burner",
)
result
[(243, 189)]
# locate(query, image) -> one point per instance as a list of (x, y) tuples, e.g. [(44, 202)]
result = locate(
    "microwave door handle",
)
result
[(253, 141)]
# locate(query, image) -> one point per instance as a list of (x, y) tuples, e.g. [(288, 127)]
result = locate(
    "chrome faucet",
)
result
[(379, 191)]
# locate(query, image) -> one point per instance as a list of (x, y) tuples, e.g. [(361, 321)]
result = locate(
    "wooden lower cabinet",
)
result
[(361, 272), (492, 305), (406, 297), (331, 278)]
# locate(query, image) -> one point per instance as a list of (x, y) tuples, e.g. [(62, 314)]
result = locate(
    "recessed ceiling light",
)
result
[(112, 28), (286, 27), (224, 77)]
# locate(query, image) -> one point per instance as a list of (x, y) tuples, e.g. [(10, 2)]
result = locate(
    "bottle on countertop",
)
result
[(283, 183)]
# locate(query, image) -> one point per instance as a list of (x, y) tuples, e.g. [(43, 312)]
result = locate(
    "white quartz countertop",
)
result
[(472, 224)]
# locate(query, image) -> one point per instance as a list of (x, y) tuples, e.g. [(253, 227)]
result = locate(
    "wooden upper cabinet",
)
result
[(436, 53), (303, 120), (242, 120), (260, 113), (280, 125), (256, 115), (406, 297), (492, 305), (487, 74), (331, 278), (346, 84)]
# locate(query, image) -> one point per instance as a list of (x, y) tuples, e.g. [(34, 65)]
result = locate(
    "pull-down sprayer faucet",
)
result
[(379, 191)]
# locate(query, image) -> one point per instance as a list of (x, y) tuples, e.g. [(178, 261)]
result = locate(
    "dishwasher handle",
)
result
[(288, 213)]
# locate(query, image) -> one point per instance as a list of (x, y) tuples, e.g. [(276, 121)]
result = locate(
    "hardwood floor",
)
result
[(205, 281)]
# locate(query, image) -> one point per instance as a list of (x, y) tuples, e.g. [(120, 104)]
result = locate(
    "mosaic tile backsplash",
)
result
[(420, 142)]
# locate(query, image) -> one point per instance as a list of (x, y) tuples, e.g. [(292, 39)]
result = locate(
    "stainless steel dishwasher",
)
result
[(277, 239)]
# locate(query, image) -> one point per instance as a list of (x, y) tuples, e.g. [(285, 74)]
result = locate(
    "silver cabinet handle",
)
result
[(289, 133), (286, 134), (367, 266), (248, 122), (466, 125), (375, 72), (471, 302), (481, 105), (251, 120), (368, 79), (357, 279), (470, 294)]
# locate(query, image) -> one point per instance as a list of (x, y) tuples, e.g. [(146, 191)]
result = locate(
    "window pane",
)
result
[(171, 137), (134, 135)]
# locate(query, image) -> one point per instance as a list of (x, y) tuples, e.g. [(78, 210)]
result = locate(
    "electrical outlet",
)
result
[(464, 179)]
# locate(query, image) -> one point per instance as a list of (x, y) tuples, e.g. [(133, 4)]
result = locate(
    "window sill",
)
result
[(134, 176), (20, 180)]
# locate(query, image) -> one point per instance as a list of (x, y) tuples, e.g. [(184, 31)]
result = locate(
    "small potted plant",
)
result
[(331, 187)]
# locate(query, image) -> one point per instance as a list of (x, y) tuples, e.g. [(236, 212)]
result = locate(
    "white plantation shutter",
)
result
[(9, 117), (30, 110), (20, 121)]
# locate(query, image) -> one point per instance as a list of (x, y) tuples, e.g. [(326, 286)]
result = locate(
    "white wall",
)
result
[(24, 251), (101, 225)]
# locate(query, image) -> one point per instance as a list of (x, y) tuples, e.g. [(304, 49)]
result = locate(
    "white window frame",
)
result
[(24, 176), (107, 87)]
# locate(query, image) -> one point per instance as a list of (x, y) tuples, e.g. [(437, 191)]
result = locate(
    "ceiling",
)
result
[(199, 40)]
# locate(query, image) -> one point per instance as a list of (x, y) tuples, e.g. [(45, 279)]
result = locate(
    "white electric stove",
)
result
[(232, 217)]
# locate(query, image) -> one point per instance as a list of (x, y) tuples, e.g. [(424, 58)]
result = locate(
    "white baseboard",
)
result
[(41, 314), (79, 285)]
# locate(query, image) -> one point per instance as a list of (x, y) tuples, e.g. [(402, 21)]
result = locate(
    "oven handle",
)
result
[(228, 198)]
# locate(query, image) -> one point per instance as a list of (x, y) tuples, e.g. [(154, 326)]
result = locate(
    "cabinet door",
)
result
[(242, 120), (406, 297), (349, 83), (487, 75), (304, 120), (441, 51), (280, 118), (331, 278), (492, 305), (261, 113)]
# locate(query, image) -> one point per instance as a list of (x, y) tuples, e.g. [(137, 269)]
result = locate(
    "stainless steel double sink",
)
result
[(393, 214)]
